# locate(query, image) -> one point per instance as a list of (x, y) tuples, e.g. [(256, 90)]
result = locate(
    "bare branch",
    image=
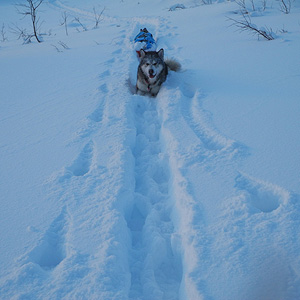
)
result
[(253, 5), (30, 9), (65, 46), (64, 21), (264, 5), (246, 25), (78, 21), (22, 34), (3, 33), (97, 17), (38, 4), (285, 6), (56, 48), (283, 30)]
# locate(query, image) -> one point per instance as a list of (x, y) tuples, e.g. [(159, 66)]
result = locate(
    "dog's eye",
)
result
[(147, 64), (154, 64)]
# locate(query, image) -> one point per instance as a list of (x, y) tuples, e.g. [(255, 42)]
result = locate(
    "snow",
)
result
[(193, 194)]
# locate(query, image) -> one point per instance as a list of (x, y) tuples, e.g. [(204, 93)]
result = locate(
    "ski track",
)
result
[(213, 143)]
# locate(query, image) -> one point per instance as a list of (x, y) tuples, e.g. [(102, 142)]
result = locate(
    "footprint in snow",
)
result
[(97, 115), (82, 164), (118, 51), (262, 195), (104, 74), (51, 250), (103, 88)]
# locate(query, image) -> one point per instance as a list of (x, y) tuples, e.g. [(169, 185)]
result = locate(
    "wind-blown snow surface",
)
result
[(190, 195)]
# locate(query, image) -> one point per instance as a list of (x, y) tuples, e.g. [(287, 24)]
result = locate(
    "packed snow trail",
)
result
[(155, 268)]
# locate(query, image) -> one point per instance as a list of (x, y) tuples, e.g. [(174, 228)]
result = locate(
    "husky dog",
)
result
[(153, 71)]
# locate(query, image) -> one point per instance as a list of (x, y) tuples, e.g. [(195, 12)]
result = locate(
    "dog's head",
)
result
[(152, 63)]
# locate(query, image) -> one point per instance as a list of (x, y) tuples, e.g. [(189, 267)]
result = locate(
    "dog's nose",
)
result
[(151, 72)]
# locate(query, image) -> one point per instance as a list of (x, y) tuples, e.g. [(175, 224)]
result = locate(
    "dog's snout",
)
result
[(151, 72)]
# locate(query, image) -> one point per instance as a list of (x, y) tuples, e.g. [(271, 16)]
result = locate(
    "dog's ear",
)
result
[(161, 53), (142, 53)]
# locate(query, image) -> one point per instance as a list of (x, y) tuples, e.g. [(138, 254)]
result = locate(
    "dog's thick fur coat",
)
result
[(153, 71)]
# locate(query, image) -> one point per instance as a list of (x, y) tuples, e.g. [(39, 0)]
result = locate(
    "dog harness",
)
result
[(149, 85)]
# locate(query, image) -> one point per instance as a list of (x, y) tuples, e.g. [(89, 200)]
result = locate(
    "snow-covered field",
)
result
[(190, 195)]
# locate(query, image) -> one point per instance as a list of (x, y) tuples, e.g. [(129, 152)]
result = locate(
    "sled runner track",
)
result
[(199, 121), (185, 150)]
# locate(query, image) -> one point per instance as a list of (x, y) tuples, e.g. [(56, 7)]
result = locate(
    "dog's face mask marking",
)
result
[(152, 63), (152, 72)]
